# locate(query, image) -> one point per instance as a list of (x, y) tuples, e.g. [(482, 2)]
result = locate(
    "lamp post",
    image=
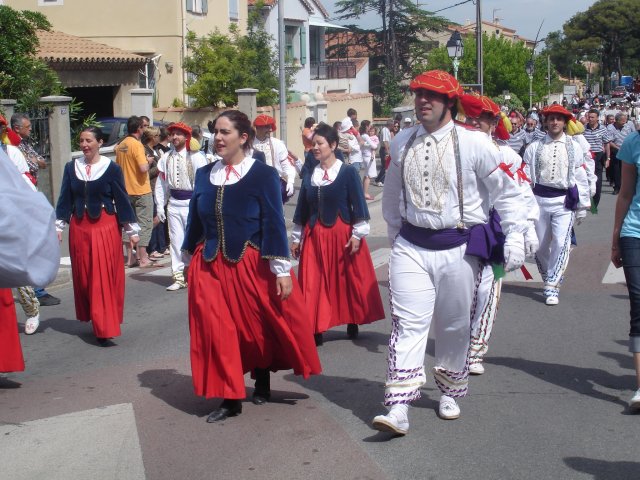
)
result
[(529, 69), (455, 49)]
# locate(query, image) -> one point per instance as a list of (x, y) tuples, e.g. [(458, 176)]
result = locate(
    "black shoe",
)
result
[(318, 338), (262, 388), (105, 342), (48, 300), (352, 331), (6, 383), (260, 398), (228, 408)]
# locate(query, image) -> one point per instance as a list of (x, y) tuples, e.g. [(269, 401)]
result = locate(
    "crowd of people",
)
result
[(469, 192)]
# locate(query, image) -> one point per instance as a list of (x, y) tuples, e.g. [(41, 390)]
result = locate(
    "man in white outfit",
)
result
[(484, 114), (440, 177), (275, 152), (177, 170), (555, 166)]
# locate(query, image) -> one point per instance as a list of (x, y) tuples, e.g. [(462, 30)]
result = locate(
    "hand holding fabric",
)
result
[(513, 251), (580, 216), (531, 243)]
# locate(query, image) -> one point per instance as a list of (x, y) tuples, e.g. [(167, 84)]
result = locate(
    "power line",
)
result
[(451, 6)]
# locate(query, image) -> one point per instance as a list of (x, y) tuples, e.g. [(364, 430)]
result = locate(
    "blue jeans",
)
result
[(40, 292), (630, 252)]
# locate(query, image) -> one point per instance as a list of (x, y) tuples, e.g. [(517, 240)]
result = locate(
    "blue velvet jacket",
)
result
[(231, 217), (106, 192), (344, 197)]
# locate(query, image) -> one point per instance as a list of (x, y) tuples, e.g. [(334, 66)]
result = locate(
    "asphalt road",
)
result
[(551, 405)]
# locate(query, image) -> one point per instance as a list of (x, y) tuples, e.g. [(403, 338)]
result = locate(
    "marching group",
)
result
[(469, 193)]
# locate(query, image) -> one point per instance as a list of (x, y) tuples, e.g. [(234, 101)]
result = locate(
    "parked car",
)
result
[(115, 129), (619, 92)]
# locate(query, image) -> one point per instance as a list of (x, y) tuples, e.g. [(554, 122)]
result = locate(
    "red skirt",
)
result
[(10, 350), (97, 268), (238, 323), (339, 288)]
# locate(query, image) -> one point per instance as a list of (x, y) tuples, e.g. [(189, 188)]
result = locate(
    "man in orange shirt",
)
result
[(131, 157)]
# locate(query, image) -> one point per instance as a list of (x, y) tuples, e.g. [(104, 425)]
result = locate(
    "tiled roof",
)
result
[(59, 47)]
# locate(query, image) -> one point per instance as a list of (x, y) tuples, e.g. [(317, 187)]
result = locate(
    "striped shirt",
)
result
[(597, 137), (517, 140)]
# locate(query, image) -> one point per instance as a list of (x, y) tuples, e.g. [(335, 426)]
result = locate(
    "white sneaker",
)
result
[(393, 422), (552, 301), (476, 369), (32, 324), (449, 409), (176, 286), (634, 403)]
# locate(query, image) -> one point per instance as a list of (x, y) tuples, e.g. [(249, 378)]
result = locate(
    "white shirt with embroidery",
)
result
[(322, 178), (431, 182), (176, 173), (276, 153), (553, 168), (220, 176)]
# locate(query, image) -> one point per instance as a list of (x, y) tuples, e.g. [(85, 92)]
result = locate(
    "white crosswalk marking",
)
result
[(380, 257), (614, 275)]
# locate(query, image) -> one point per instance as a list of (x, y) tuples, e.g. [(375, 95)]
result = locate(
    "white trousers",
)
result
[(483, 314), (177, 213), (428, 285), (553, 228)]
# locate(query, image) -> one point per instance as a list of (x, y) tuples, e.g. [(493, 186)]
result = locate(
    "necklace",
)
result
[(440, 180)]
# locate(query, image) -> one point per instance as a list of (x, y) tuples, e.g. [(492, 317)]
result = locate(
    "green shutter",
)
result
[(303, 46), (205, 6), (189, 5)]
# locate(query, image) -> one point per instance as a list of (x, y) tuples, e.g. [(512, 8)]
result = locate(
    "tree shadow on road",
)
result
[(580, 380), (603, 469), (176, 390)]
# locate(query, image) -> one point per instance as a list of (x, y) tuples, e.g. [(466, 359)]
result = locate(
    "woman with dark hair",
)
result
[(246, 313), (331, 221), (370, 144), (94, 202)]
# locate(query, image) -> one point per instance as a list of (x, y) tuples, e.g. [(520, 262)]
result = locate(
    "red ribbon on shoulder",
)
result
[(522, 177), (505, 168)]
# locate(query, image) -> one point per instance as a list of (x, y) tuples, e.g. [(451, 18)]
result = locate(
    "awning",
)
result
[(320, 22)]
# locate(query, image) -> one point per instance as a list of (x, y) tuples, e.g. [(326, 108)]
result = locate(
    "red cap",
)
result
[(559, 109), (184, 128), (263, 120), (475, 105), (437, 81)]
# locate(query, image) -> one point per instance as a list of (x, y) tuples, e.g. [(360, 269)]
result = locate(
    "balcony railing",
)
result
[(332, 69)]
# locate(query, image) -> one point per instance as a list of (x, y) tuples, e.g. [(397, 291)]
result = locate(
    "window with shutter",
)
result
[(303, 46), (50, 3), (234, 11)]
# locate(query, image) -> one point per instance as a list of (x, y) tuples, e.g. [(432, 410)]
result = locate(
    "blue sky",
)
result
[(524, 16)]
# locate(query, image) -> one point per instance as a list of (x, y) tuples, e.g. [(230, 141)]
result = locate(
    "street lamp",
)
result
[(455, 49), (529, 69)]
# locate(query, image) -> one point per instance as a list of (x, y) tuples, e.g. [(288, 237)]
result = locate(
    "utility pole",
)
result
[(479, 46), (282, 92)]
